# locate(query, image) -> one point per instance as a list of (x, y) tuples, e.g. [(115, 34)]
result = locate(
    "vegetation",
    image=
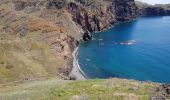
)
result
[(111, 89), (24, 59), (22, 55), (165, 6)]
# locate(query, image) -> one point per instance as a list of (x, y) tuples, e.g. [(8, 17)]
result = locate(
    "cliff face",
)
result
[(83, 15), (125, 9), (156, 11), (150, 10), (97, 15)]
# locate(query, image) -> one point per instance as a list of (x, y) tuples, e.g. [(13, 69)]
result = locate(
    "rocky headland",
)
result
[(153, 10)]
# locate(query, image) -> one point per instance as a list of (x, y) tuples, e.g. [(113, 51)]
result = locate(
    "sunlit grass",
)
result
[(111, 89)]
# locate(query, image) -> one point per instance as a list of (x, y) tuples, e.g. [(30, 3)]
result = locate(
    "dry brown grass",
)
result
[(28, 57)]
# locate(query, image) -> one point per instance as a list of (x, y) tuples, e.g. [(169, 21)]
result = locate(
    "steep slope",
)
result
[(80, 16), (32, 47), (97, 15)]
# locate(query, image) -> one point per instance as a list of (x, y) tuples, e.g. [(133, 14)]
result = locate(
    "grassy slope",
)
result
[(19, 60), (111, 89), (165, 6), (25, 58)]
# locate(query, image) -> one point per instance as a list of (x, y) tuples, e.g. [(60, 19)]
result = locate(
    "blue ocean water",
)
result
[(137, 50)]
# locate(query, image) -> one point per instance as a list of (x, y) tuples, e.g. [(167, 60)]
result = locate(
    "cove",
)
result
[(137, 50)]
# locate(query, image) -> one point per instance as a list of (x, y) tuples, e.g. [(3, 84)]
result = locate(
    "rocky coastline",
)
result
[(76, 71)]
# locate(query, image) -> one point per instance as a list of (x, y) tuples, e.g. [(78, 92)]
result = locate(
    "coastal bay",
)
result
[(134, 50)]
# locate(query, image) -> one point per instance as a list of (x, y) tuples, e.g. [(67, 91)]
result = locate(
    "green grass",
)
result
[(7, 5), (1, 22), (111, 89), (101, 90)]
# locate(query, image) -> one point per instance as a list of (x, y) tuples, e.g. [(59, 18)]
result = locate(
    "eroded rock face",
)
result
[(98, 15), (125, 9), (164, 92), (32, 5), (20, 5), (89, 15), (56, 4)]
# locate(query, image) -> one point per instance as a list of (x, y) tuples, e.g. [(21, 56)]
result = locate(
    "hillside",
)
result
[(28, 52), (165, 6)]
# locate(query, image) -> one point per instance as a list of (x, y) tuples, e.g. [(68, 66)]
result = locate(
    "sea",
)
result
[(138, 50)]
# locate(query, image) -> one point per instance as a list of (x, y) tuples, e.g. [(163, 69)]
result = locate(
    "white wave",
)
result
[(129, 42)]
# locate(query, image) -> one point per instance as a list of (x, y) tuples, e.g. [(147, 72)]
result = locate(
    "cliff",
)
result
[(153, 10), (81, 16), (97, 15)]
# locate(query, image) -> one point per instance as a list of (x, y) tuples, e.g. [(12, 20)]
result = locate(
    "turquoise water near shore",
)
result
[(135, 50)]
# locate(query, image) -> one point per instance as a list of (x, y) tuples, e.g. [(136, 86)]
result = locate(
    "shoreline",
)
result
[(76, 70)]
